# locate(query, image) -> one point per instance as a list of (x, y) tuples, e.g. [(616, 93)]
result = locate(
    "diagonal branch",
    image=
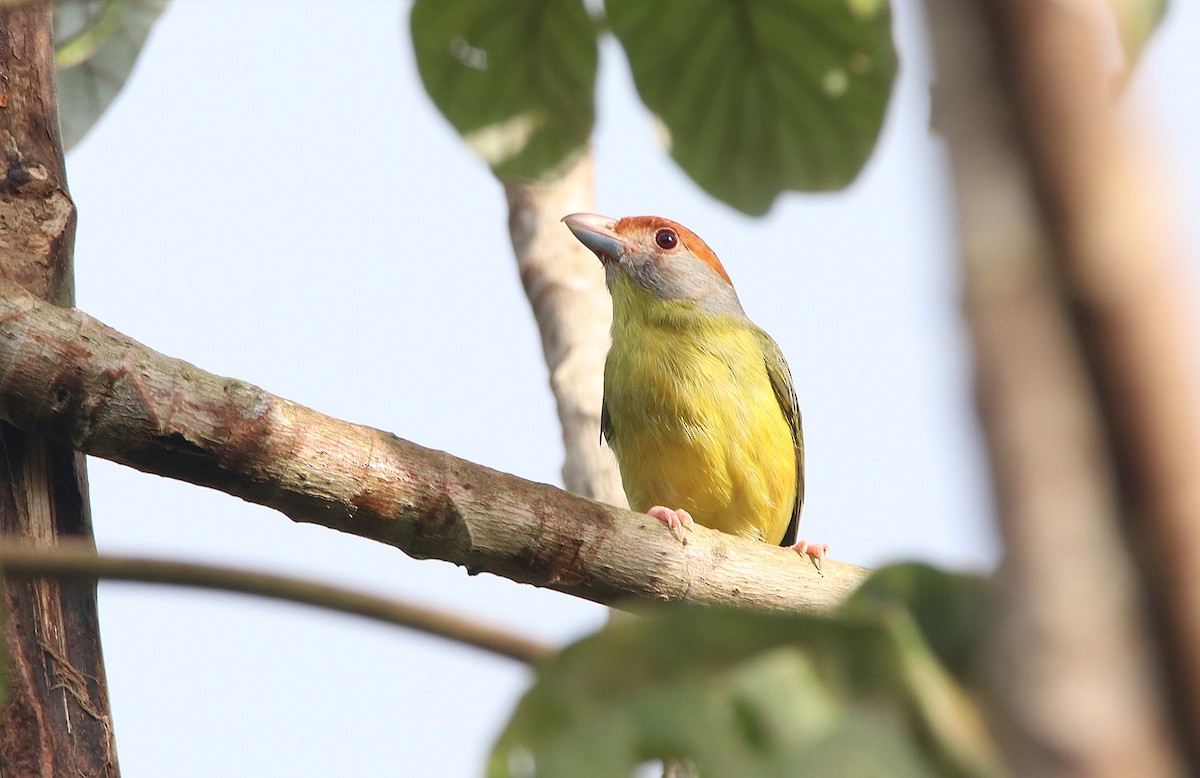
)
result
[(76, 380)]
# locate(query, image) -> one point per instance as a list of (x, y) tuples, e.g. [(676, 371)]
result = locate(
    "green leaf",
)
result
[(758, 98), (514, 78), (97, 43), (747, 694)]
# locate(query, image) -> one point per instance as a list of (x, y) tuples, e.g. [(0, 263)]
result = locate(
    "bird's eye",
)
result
[(666, 239)]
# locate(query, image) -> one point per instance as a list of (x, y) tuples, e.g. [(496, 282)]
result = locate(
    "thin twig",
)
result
[(79, 561)]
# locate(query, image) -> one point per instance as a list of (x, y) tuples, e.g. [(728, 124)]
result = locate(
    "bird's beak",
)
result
[(598, 233)]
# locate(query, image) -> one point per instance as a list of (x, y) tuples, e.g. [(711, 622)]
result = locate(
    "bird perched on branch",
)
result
[(699, 406)]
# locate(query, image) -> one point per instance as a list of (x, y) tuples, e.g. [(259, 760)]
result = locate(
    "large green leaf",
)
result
[(514, 78), (762, 97), (97, 42), (751, 694)]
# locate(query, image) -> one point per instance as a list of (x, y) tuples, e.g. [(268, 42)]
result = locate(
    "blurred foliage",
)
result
[(753, 98), (97, 43), (760, 98), (756, 98), (861, 692), (1136, 20), (515, 79), (948, 610)]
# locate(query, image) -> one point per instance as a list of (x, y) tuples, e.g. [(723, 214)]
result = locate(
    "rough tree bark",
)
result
[(87, 385), (1074, 676), (57, 720)]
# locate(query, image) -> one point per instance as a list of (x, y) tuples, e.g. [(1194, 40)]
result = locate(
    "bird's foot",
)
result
[(814, 551), (675, 519)]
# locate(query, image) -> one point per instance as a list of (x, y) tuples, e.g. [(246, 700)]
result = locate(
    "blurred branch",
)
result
[(565, 287), (76, 561), (1107, 215), (1074, 676), (78, 381)]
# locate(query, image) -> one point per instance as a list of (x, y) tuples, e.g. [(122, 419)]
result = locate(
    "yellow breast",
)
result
[(696, 424)]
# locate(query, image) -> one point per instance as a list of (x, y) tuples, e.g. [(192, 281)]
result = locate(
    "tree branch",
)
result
[(1124, 278), (1072, 671), (80, 562), (565, 287), (78, 381)]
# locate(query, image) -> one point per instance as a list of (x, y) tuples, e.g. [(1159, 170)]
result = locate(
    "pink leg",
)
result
[(674, 519), (814, 551)]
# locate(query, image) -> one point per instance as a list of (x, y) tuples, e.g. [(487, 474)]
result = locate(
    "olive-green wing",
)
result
[(785, 393), (606, 428)]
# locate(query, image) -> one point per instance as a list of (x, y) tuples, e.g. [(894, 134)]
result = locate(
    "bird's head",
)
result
[(659, 256)]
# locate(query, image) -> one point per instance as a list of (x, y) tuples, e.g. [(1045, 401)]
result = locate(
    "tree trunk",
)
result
[(56, 721)]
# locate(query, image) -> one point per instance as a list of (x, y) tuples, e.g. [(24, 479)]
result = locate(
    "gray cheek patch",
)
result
[(691, 279)]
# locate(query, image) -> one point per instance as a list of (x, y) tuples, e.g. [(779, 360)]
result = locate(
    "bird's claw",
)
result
[(675, 519), (814, 551)]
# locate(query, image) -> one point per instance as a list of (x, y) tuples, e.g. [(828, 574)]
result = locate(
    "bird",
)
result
[(699, 405)]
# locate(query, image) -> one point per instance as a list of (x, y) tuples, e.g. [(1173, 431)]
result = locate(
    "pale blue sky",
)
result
[(274, 198)]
